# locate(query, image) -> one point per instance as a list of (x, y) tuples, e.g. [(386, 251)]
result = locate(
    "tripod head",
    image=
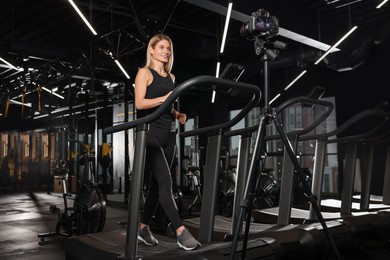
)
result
[(268, 46), (267, 49), (261, 28)]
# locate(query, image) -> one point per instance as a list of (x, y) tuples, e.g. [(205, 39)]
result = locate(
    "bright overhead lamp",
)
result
[(9, 64), (275, 98), (288, 86), (217, 69), (82, 17), (52, 92), (20, 103), (336, 44), (229, 12), (119, 65), (122, 69), (295, 80), (217, 76), (347, 4), (381, 4)]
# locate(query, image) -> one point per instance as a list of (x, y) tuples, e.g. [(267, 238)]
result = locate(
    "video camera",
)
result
[(260, 24)]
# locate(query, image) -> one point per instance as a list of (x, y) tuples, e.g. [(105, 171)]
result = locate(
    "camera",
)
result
[(261, 24)]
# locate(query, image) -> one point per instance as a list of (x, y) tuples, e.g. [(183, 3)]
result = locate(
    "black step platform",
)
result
[(111, 245), (303, 241)]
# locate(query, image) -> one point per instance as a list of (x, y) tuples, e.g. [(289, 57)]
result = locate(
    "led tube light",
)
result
[(82, 17), (335, 45), (229, 12)]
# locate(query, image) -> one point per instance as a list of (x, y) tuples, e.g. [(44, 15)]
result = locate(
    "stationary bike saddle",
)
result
[(61, 171)]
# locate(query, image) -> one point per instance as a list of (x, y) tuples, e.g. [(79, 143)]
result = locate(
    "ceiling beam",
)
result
[(138, 22), (222, 10)]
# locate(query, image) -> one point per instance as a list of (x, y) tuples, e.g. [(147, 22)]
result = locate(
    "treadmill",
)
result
[(274, 241), (223, 226), (108, 245), (331, 209)]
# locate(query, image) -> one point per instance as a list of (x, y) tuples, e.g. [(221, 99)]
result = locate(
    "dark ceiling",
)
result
[(53, 48)]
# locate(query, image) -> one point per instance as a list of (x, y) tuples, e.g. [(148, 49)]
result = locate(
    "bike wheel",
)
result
[(267, 192)]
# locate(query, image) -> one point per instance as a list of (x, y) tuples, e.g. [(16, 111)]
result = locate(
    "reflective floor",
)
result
[(24, 215)]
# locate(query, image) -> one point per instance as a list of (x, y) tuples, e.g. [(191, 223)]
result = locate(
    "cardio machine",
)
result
[(88, 214)]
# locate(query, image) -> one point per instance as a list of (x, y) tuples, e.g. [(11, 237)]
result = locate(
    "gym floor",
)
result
[(24, 215)]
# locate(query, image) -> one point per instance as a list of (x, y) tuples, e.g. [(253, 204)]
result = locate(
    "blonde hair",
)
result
[(152, 44)]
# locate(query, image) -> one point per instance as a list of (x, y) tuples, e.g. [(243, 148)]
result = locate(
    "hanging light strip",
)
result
[(9, 64), (82, 17), (20, 103), (122, 69), (347, 4), (229, 12), (381, 4), (52, 92), (275, 98), (119, 65), (295, 80), (217, 76), (336, 44)]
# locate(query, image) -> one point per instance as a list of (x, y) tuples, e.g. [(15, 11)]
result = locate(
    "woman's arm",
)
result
[(181, 117)]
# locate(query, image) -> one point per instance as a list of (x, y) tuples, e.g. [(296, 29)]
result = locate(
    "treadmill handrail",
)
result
[(356, 118), (379, 136), (288, 103), (223, 126), (195, 82)]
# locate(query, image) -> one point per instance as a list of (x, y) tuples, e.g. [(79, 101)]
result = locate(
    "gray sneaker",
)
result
[(147, 237), (187, 241)]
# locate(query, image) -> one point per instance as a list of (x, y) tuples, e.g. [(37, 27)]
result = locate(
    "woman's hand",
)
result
[(181, 117)]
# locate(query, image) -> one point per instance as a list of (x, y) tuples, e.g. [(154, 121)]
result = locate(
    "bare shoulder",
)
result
[(144, 74), (144, 71)]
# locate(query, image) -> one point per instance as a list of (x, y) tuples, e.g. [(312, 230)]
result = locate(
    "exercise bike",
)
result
[(88, 214)]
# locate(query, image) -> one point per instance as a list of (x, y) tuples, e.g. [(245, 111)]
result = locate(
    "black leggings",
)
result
[(160, 148)]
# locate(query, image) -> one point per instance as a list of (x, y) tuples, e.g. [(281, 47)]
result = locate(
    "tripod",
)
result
[(268, 116)]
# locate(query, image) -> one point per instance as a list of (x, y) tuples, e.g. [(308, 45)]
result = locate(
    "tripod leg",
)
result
[(253, 169), (249, 212), (305, 185)]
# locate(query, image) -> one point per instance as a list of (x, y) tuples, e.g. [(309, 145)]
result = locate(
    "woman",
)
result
[(153, 85)]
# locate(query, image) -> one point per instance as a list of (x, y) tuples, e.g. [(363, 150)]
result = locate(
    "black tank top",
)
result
[(160, 86)]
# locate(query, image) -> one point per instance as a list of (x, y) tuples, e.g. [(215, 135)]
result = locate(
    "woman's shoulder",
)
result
[(144, 72)]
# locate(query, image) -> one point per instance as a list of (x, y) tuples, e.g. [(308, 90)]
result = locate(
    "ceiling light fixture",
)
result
[(331, 2), (275, 98), (335, 45), (381, 4), (20, 103), (347, 4), (295, 80), (122, 69), (119, 65), (9, 64), (229, 12), (217, 76), (52, 92), (25, 94), (82, 17)]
